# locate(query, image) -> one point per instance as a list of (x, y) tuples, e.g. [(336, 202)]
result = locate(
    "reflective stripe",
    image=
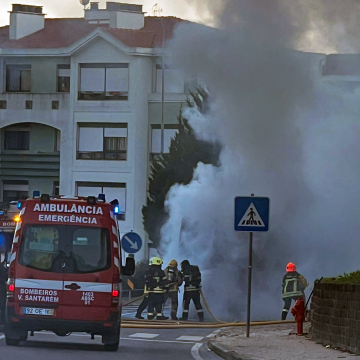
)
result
[(113, 228), (39, 284), (185, 311), (112, 215), (90, 286), (18, 227), (200, 311), (13, 257), (285, 310), (116, 246), (22, 211), (16, 240), (116, 262)]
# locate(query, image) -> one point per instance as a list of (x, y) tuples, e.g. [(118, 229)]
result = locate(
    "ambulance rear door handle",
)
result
[(73, 286)]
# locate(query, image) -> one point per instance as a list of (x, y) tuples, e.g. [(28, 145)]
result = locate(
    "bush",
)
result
[(351, 278)]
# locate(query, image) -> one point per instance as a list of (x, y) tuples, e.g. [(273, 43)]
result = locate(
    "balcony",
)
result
[(30, 165), (50, 109)]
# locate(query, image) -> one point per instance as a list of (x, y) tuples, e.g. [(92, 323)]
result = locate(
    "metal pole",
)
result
[(249, 287), (162, 87)]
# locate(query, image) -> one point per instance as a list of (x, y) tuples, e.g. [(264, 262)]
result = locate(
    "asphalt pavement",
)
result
[(135, 344)]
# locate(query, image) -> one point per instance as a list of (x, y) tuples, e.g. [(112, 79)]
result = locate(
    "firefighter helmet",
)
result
[(290, 267), (155, 261), (173, 263)]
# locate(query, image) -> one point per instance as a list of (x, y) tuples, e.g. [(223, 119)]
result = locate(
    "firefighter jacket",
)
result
[(293, 285), (192, 278), (173, 276), (155, 280)]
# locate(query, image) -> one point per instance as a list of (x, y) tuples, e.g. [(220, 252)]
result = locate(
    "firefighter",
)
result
[(156, 285), (173, 276), (144, 304), (293, 287), (192, 278)]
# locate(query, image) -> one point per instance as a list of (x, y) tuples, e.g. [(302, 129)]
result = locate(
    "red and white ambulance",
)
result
[(65, 269)]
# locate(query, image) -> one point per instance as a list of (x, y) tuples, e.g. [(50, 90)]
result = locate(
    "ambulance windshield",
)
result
[(61, 248)]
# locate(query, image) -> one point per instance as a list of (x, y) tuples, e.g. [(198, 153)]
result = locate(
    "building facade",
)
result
[(80, 105)]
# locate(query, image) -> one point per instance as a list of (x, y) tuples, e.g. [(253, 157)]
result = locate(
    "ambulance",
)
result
[(65, 269)]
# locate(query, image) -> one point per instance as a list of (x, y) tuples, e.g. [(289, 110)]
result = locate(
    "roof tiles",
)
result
[(60, 33)]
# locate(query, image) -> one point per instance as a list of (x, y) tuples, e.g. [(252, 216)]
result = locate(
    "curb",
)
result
[(225, 352)]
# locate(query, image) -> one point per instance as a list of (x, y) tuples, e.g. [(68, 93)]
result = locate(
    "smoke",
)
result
[(286, 134)]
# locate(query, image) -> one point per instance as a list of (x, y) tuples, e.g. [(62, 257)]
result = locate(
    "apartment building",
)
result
[(80, 104)]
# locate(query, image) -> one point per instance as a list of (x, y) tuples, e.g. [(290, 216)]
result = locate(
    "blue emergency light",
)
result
[(101, 197), (36, 194), (19, 205), (117, 209)]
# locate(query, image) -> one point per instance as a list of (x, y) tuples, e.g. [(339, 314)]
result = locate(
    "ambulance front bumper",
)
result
[(62, 326)]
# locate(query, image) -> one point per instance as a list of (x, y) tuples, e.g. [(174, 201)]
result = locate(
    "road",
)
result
[(135, 344)]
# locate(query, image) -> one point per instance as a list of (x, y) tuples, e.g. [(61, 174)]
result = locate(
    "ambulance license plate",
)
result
[(37, 311)]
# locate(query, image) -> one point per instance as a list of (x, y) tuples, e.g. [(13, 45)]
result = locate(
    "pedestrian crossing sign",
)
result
[(251, 214)]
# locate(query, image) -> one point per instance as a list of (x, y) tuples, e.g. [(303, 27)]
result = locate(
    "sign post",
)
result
[(251, 215)]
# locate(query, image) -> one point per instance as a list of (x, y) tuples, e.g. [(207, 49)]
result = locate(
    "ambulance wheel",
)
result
[(111, 340)]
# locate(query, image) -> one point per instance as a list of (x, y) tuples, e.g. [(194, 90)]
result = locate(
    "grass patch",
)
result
[(351, 278)]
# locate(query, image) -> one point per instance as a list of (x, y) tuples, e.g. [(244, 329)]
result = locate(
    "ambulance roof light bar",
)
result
[(115, 204), (36, 194), (91, 200), (45, 197), (101, 197)]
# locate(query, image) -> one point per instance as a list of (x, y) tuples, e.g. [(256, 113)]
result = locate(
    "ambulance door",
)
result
[(88, 274), (39, 278)]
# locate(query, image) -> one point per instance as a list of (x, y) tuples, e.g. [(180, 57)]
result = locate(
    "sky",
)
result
[(73, 8)]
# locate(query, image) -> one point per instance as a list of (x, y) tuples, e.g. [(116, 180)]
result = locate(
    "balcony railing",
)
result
[(27, 165)]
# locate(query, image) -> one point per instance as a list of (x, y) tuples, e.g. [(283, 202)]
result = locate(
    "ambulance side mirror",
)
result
[(129, 268)]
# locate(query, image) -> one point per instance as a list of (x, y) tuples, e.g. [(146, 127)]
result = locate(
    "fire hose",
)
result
[(173, 324)]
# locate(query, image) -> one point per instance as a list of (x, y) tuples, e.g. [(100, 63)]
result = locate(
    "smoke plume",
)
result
[(286, 133)]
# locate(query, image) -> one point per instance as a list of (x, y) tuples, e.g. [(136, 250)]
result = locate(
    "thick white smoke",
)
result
[(286, 134)]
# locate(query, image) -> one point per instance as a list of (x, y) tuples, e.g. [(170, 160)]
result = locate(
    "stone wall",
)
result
[(335, 316)]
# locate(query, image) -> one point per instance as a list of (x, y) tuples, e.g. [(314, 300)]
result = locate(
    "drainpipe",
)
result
[(162, 87)]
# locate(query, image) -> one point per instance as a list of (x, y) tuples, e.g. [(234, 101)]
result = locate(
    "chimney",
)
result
[(94, 6), (118, 15), (25, 20)]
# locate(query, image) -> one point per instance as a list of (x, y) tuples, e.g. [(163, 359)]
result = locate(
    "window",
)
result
[(63, 78), (28, 104), (55, 105), (111, 190), (2, 104), (82, 249), (174, 80), (102, 141), (40, 247), (14, 190), (169, 133), (104, 81), (17, 140), (18, 78)]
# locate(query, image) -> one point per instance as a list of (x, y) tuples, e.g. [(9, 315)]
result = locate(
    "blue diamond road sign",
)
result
[(251, 213), (131, 243)]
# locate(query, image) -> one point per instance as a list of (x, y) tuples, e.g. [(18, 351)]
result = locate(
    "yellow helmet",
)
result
[(173, 263), (155, 261)]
